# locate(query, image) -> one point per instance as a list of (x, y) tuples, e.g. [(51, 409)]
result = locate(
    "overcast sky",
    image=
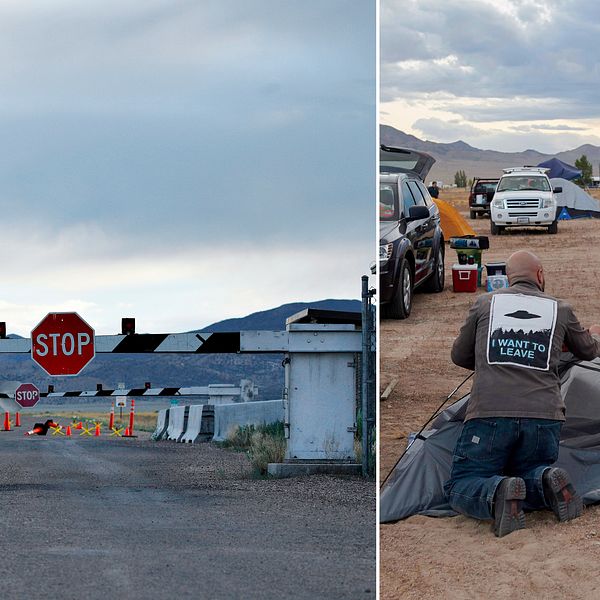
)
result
[(184, 161), (508, 75)]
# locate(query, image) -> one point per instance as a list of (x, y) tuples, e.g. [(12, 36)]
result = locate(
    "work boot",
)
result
[(560, 494), (508, 506)]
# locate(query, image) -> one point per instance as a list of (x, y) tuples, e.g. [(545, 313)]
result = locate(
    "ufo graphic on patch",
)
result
[(522, 314), (520, 330)]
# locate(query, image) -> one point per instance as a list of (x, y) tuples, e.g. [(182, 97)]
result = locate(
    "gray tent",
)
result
[(416, 484), (574, 202)]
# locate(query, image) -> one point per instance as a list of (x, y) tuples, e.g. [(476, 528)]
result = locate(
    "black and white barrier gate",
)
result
[(213, 394), (322, 351)]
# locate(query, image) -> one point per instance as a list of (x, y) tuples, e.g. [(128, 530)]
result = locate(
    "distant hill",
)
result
[(274, 319), (184, 369), (475, 162)]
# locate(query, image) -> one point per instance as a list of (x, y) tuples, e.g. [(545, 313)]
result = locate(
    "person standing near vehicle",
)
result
[(433, 189), (512, 339)]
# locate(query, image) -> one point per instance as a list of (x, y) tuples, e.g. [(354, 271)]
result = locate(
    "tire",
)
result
[(435, 283), (553, 228), (401, 304), (473, 214), (495, 229)]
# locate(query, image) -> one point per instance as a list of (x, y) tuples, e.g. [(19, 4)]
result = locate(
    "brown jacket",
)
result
[(512, 339)]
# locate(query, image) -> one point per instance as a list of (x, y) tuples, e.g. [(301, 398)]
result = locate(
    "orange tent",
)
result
[(452, 222)]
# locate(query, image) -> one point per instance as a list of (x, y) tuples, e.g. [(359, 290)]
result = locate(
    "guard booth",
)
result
[(320, 397), (321, 359)]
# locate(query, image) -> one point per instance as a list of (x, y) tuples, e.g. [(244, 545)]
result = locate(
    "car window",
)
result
[(407, 199), (484, 187), (418, 196), (524, 183), (387, 203), (426, 196)]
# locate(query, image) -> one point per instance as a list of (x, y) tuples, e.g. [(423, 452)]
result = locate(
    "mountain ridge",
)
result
[(454, 156)]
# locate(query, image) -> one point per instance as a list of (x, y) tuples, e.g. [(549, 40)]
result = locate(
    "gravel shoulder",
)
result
[(105, 517)]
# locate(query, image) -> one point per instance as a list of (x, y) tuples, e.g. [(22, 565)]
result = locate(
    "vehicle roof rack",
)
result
[(529, 168)]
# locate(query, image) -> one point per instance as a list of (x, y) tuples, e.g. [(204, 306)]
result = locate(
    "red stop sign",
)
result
[(27, 395), (62, 344)]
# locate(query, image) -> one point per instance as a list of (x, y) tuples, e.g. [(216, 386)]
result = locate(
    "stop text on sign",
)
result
[(65, 343), (62, 344), (27, 395)]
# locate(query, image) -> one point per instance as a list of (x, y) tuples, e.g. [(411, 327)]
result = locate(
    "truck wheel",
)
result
[(399, 307), (553, 228), (495, 229), (473, 214)]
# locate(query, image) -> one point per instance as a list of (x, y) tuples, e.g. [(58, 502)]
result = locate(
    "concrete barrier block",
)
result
[(194, 423), (230, 416)]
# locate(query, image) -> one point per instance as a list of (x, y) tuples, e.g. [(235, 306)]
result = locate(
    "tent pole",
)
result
[(435, 413)]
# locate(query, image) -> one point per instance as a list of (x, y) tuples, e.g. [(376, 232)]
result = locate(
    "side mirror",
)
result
[(416, 213), (557, 190)]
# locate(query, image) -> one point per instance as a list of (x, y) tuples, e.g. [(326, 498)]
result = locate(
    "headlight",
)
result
[(548, 203), (385, 251), (499, 203)]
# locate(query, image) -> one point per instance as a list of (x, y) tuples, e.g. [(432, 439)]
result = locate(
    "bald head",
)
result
[(525, 265)]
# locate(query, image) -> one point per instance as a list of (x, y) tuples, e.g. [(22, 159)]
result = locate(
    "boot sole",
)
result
[(566, 502), (511, 517)]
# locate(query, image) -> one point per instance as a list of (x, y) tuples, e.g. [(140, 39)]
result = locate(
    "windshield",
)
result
[(520, 183), (387, 203), (485, 188)]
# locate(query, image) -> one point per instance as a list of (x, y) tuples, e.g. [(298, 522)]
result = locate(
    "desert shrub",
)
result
[(267, 445), (239, 438)]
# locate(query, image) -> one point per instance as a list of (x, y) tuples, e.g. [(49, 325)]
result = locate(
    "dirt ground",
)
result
[(458, 558)]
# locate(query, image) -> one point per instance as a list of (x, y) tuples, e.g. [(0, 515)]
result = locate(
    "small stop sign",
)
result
[(62, 344), (27, 395)]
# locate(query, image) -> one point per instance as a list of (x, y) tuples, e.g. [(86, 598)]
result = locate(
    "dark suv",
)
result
[(411, 245), (481, 195)]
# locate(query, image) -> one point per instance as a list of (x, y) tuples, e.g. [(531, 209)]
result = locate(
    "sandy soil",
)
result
[(457, 557)]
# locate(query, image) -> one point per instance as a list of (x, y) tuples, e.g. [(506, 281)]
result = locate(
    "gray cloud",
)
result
[(512, 139), (542, 50), (180, 125), (551, 127), (190, 117)]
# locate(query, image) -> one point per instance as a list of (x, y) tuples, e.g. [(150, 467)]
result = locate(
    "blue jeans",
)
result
[(493, 448)]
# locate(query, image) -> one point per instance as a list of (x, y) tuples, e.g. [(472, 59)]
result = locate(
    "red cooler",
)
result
[(464, 278)]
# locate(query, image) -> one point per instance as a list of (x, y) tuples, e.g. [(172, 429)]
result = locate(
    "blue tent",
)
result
[(560, 169)]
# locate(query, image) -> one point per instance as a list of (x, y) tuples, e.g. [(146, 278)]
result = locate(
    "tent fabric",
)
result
[(452, 222), (558, 168), (574, 202), (416, 484)]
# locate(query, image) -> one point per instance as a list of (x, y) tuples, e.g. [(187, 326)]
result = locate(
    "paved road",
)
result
[(105, 518)]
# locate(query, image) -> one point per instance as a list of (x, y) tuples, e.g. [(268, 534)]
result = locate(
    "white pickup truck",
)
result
[(524, 197)]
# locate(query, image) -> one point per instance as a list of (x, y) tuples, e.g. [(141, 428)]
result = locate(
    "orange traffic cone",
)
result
[(68, 432), (79, 425), (127, 432), (17, 420), (97, 432), (6, 421)]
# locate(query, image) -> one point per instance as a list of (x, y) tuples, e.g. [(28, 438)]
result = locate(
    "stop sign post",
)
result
[(62, 344), (27, 395)]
